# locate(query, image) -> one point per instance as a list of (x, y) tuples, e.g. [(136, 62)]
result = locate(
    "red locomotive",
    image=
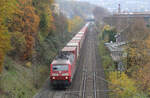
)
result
[(63, 67)]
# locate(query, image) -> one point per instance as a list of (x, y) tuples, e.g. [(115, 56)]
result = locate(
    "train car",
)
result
[(74, 51), (80, 35), (84, 29), (74, 44), (63, 67), (77, 41)]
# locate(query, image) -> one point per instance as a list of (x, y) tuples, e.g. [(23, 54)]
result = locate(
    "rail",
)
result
[(84, 84), (94, 85)]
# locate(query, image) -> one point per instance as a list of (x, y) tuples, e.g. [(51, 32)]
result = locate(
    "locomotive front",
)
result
[(60, 73)]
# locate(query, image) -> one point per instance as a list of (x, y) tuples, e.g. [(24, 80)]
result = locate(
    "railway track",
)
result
[(94, 86), (89, 82), (53, 95), (86, 83)]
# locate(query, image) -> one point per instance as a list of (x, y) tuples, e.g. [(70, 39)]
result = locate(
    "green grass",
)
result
[(107, 62), (18, 80)]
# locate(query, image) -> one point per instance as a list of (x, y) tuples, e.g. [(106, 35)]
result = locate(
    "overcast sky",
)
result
[(126, 5)]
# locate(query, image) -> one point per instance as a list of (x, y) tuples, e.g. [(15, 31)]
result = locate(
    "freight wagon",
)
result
[(63, 67)]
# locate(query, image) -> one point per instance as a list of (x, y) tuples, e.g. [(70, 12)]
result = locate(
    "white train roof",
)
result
[(75, 41), (69, 48), (73, 44), (77, 38), (80, 32), (79, 35)]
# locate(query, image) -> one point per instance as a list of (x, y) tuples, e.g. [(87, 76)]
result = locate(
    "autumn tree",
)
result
[(4, 47), (122, 86), (138, 30), (138, 54), (108, 33), (7, 8), (143, 78), (26, 21), (130, 28), (43, 8), (74, 23), (61, 22), (138, 46)]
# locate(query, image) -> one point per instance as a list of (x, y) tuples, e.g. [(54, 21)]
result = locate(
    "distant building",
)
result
[(56, 8), (132, 14)]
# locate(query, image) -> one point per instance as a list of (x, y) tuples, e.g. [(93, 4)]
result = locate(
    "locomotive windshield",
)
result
[(60, 67)]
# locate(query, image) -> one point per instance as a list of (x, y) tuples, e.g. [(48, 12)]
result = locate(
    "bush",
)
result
[(109, 33), (122, 86), (107, 61)]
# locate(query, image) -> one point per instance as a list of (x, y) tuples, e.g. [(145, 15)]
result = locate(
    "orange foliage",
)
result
[(46, 18), (143, 77), (29, 46), (30, 29), (26, 21), (139, 62)]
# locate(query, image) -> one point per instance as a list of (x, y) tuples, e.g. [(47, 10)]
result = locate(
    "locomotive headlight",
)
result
[(65, 74), (53, 77), (66, 77)]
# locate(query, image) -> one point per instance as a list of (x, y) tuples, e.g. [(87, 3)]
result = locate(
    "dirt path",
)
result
[(86, 83)]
